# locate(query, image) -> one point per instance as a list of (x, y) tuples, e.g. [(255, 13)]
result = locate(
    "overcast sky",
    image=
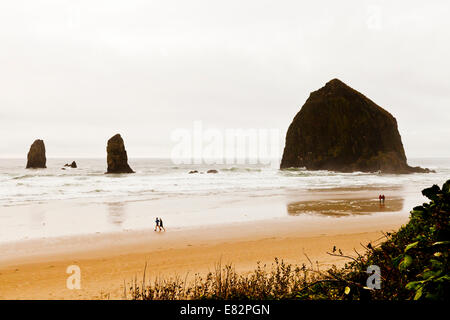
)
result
[(74, 73)]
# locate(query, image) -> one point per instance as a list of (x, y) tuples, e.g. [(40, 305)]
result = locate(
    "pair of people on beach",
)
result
[(159, 224), (381, 197)]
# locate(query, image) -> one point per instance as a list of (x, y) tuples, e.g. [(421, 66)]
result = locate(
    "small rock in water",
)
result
[(193, 171), (212, 171), (72, 165)]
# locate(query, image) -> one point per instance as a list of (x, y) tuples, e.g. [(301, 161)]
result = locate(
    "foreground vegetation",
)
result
[(413, 264)]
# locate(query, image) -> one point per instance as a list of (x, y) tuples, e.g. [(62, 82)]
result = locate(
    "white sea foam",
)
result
[(158, 177)]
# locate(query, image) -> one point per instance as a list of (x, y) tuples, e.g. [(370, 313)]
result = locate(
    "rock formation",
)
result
[(117, 158), (36, 155), (340, 129), (212, 171), (72, 165)]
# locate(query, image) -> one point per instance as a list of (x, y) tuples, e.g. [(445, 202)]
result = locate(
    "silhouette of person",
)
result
[(157, 224), (161, 225)]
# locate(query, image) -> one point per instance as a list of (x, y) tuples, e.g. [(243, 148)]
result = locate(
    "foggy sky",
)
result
[(74, 73)]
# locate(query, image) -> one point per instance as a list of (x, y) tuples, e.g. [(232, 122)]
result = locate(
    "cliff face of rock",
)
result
[(340, 129), (117, 158), (36, 155)]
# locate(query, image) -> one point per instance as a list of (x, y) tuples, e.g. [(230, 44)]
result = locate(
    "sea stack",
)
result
[(36, 155), (340, 129), (117, 158)]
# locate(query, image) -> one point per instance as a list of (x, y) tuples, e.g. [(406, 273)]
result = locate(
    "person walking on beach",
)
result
[(383, 198), (157, 224), (161, 225), (379, 197)]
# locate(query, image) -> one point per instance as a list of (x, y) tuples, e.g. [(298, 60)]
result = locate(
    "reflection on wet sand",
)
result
[(116, 213), (344, 207)]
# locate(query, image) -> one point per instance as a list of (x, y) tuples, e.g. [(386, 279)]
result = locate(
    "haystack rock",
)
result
[(36, 155), (117, 156), (340, 129)]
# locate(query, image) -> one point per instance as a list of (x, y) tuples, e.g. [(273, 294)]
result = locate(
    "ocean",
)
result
[(54, 202)]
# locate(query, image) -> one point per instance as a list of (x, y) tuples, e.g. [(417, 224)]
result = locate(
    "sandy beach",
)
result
[(36, 269)]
